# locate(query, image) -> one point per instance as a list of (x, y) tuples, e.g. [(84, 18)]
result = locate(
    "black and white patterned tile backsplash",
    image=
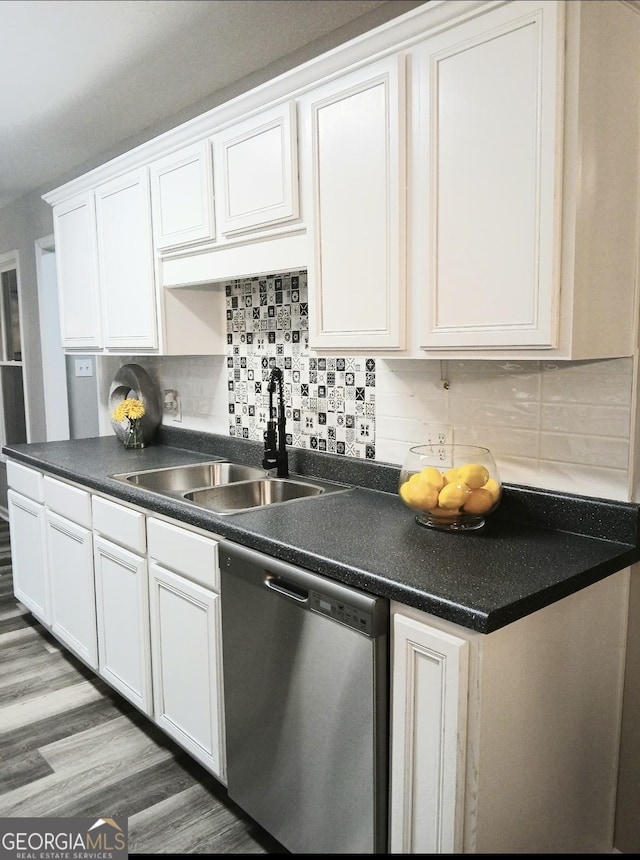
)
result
[(329, 402)]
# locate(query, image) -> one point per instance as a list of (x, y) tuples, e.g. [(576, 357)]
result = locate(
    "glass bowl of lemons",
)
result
[(450, 487)]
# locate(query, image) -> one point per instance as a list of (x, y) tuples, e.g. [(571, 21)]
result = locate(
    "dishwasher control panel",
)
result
[(340, 611)]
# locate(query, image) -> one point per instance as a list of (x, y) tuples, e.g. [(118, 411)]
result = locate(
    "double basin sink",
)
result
[(225, 487)]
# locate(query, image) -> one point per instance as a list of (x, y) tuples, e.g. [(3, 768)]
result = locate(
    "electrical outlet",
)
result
[(172, 405), (438, 434), (84, 367)]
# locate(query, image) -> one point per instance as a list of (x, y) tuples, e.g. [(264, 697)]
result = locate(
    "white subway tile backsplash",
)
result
[(407, 406), (599, 382), (583, 479), (503, 441), (488, 386), (496, 413), (518, 470), (601, 420), (587, 450)]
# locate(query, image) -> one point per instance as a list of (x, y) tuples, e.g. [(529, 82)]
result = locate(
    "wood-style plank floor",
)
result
[(71, 746)]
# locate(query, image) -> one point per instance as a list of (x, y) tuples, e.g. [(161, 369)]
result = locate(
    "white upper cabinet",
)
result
[(256, 171), (468, 180), (77, 272), (182, 197), (354, 169), (487, 157), (125, 260), (525, 153)]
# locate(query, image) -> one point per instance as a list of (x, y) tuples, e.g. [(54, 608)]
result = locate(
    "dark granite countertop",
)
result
[(537, 548)]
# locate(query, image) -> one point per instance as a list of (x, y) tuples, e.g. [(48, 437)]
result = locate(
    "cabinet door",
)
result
[(73, 605), (428, 726), (182, 197), (256, 171), (354, 131), (74, 227), (127, 283), (122, 607), (28, 555), (185, 655), (484, 169)]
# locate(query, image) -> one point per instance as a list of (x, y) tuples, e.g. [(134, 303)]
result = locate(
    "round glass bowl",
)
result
[(450, 487)]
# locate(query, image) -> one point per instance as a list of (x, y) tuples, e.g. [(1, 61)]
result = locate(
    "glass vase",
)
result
[(450, 487), (133, 438)]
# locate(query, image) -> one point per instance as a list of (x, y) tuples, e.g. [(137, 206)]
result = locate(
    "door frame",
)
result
[(11, 260), (57, 399)]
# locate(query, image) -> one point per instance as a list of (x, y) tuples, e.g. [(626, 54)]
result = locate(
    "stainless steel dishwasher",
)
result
[(306, 704)]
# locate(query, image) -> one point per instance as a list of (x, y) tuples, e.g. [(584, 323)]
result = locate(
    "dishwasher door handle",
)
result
[(286, 588)]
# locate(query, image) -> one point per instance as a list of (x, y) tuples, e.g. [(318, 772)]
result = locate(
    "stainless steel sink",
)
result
[(253, 494), (175, 480), (225, 487)]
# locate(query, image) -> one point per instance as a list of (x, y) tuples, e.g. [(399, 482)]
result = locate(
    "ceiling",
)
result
[(88, 76)]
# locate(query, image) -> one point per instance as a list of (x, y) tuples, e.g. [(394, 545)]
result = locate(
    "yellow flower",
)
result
[(129, 408)]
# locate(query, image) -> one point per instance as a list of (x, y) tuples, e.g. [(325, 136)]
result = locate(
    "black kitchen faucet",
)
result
[(275, 456)]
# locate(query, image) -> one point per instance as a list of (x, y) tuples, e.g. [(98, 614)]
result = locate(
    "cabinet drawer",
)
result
[(70, 502), (26, 481), (192, 555), (119, 524)]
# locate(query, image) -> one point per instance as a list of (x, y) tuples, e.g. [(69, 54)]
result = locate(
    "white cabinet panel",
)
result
[(28, 555), (185, 642), (525, 129), (428, 746), (182, 197), (256, 171), (122, 607), (490, 110), (73, 606), (77, 272), (355, 137), (127, 283)]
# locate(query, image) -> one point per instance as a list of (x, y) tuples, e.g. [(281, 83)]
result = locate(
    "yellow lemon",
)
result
[(434, 476), (474, 475), (494, 488), (451, 475), (478, 502), (452, 496), (419, 493)]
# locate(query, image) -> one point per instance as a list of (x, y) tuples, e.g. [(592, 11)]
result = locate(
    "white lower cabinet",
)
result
[(429, 710), (135, 597), (186, 642), (28, 555), (185, 626), (507, 742), (70, 567), (122, 600), (122, 606), (73, 603)]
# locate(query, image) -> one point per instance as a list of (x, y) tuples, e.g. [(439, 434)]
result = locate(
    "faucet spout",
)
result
[(275, 452)]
